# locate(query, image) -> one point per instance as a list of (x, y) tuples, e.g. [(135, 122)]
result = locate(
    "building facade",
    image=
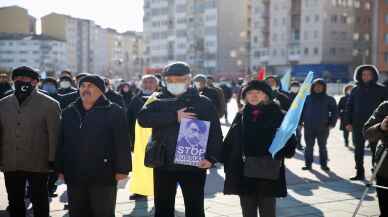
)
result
[(15, 19), (210, 35), (36, 51), (380, 35), (328, 37)]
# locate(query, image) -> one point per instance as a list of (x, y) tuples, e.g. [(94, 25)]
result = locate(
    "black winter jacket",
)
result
[(320, 110), (93, 145), (161, 116), (364, 99), (232, 157)]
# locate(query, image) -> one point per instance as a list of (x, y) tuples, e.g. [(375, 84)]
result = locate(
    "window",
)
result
[(316, 18), (386, 19), (316, 34), (386, 57), (306, 51), (316, 51), (386, 38), (307, 19), (333, 51)]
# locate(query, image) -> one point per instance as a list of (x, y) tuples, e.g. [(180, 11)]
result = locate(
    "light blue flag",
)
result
[(291, 120), (285, 81)]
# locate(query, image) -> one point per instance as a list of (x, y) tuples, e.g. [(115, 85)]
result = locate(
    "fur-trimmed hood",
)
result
[(359, 69)]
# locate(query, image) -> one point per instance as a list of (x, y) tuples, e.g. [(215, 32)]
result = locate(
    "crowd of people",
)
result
[(81, 129)]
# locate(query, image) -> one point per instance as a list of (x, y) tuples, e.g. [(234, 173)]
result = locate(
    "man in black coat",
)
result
[(176, 102), (93, 150), (341, 109), (200, 83), (66, 85), (363, 100), (319, 117)]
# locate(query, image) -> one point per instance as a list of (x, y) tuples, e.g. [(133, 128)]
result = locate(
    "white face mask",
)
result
[(176, 88), (294, 89), (147, 92), (65, 84), (197, 85), (275, 88)]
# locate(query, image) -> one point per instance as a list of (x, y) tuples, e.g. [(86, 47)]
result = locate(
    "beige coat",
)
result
[(28, 132)]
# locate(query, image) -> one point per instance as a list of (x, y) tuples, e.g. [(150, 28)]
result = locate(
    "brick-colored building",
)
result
[(380, 35)]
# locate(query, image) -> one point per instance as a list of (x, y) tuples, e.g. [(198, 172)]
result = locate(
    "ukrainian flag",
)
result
[(292, 118)]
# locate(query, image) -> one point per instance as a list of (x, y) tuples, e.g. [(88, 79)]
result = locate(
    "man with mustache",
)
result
[(93, 151), (29, 123)]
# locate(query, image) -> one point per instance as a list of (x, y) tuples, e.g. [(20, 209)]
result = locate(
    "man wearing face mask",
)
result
[(5, 85), (363, 100), (280, 97), (200, 83), (50, 86), (176, 102), (29, 123), (66, 85)]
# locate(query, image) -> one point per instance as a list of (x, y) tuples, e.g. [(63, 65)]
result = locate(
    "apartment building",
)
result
[(41, 52), (210, 35), (15, 19), (380, 35)]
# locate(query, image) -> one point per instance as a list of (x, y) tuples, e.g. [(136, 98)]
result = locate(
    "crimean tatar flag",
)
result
[(291, 120)]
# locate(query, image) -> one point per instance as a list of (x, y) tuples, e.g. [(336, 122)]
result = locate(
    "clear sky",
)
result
[(122, 15)]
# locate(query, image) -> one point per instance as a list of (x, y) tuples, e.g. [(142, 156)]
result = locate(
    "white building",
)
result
[(203, 33), (86, 50), (311, 33), (36, 51)]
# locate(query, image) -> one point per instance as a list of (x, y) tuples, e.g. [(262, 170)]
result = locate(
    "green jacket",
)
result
[(28, 132)]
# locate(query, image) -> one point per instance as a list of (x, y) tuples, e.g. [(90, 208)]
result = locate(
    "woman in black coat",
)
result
[(251, 133)]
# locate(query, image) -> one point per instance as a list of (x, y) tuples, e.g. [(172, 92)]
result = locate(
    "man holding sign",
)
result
[(176, 105)]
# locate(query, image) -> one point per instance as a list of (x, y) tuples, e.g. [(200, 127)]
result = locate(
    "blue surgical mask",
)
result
[(50, 88), (176, 88)]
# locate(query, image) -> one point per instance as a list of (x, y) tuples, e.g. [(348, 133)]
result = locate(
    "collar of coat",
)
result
[(101, 102), (33, 94)]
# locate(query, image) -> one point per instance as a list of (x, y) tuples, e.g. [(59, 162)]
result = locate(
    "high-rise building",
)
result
[(84, 41), (41, 52), (210, 35), (328, 37), (380, 35), (15, 19)]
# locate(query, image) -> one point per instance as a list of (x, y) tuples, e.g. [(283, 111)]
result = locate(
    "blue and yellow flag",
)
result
[(286, 81), (142, 178), (291, 120)]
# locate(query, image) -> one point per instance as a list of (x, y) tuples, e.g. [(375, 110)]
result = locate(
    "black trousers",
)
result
[(15, 183), (250, 202), (92, 200), (359, 150), (382, 195), (52, 179), (192, 184), (321, 135)]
